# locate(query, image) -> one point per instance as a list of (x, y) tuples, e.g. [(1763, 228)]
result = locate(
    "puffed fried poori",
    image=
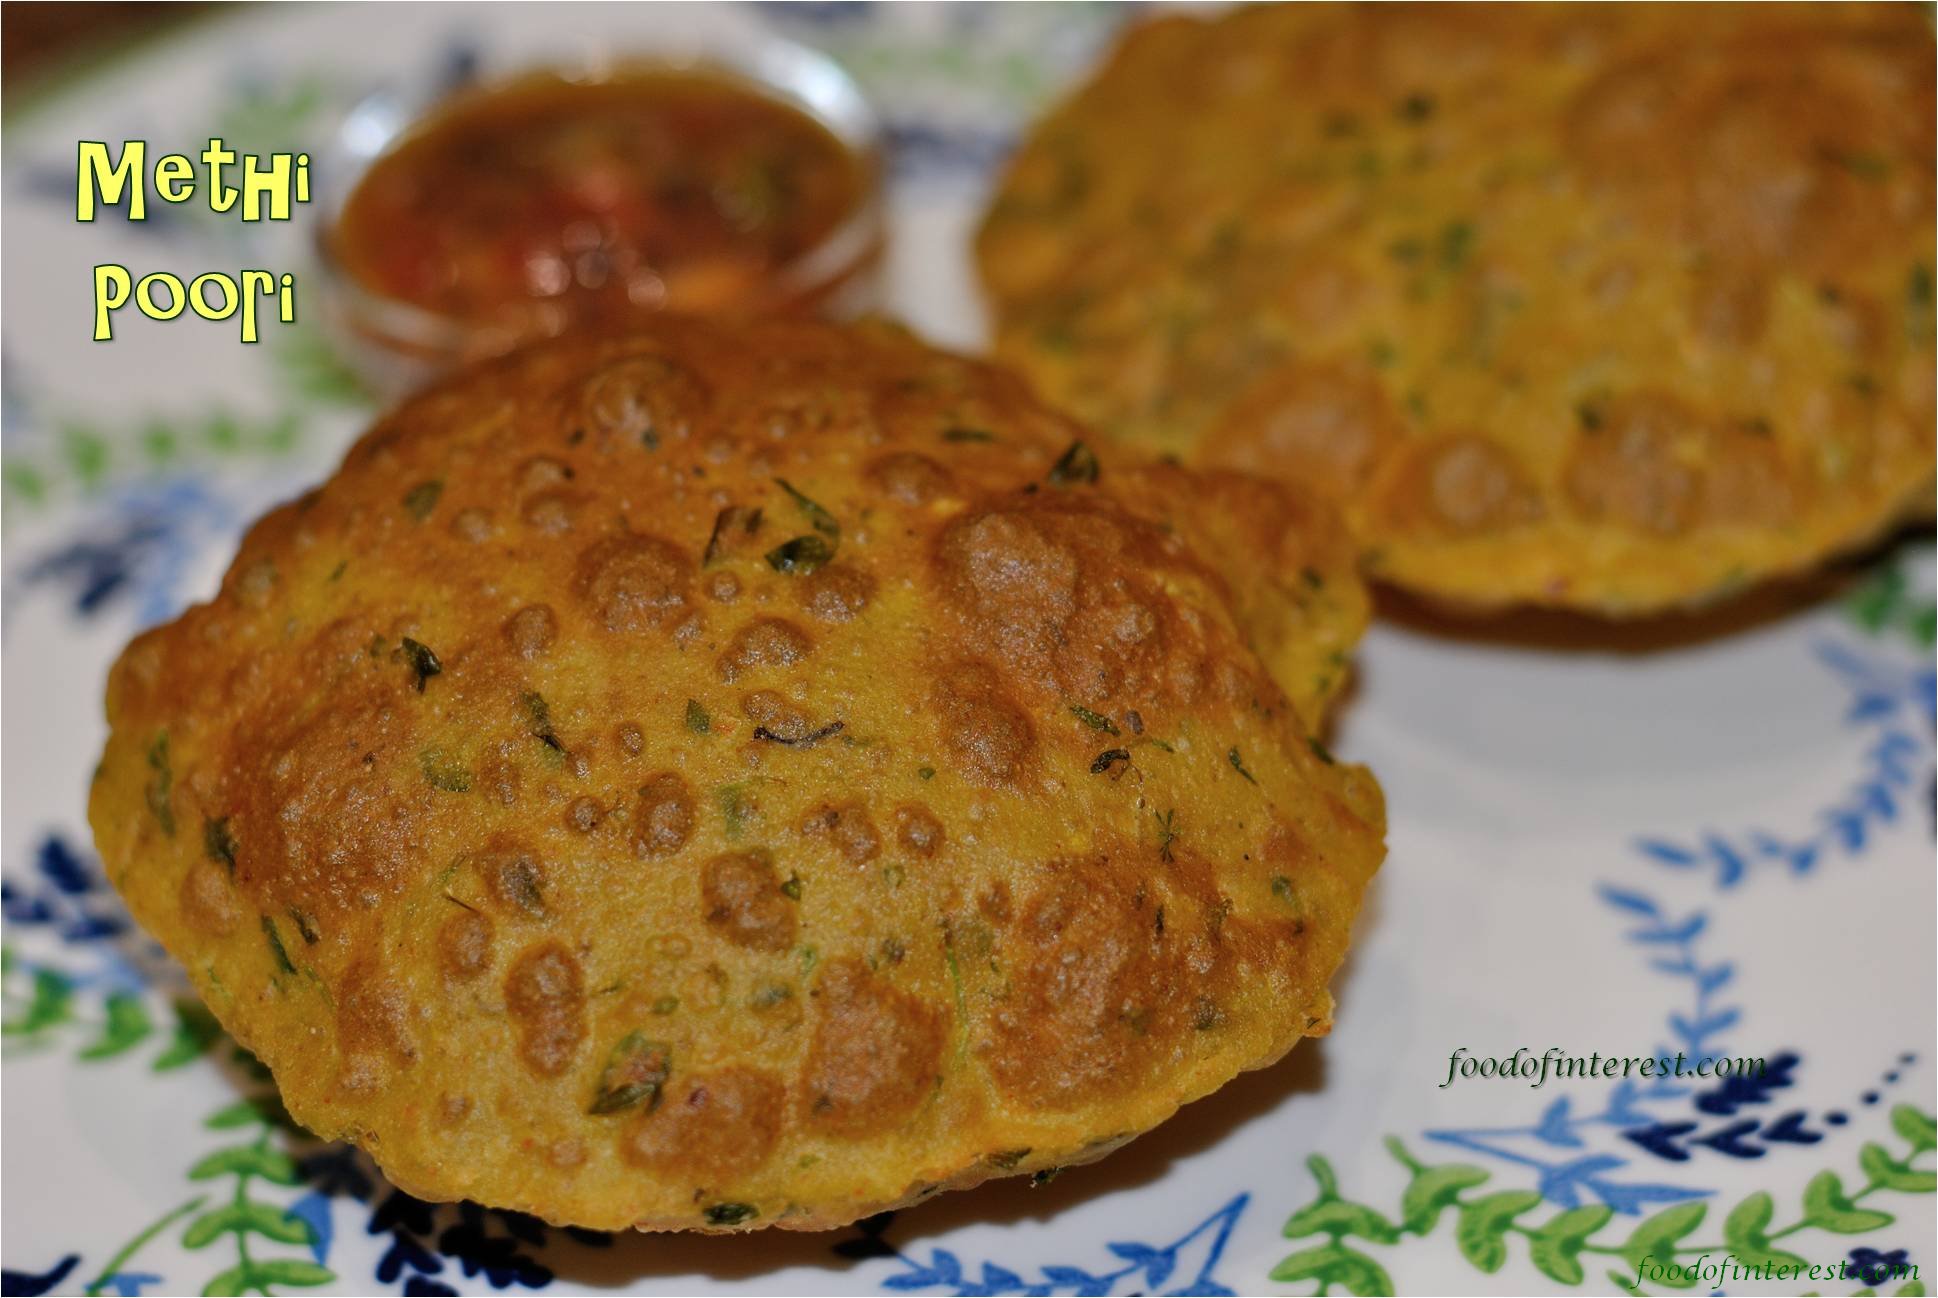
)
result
[(1605, 307), (737, 777)]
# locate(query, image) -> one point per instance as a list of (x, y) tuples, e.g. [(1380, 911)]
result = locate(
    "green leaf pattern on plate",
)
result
[(1486, 1223), (250, 1223), (42, 1009)]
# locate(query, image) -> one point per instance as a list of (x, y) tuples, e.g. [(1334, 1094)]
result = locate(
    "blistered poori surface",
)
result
[(721, 779), (1604, 307)]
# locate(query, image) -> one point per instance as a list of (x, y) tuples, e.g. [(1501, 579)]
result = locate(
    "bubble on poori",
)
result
[(729, 777), (1607, 307)]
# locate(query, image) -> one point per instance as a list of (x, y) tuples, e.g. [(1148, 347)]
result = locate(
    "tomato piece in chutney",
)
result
[(548, 203)]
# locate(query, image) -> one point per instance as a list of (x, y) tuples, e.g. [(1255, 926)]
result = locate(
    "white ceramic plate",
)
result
[(1713, 840)]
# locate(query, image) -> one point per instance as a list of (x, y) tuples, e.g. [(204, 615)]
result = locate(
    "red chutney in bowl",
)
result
[(546, 203)]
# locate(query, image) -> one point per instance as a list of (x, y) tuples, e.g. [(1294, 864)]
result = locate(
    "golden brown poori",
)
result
[(727, 777), (1605, 307)]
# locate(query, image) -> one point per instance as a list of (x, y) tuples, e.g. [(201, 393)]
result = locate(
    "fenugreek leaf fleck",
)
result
[(730, 1214), (729, 521), (276, 950), (420, 500), (1167, 832), (1075, 466), (818, 518), (161, 785), (218, 844), (538, 715), (305, 926), (439, 773), (1095, 720), (423, 662), (636, 1070), (800, 556)]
